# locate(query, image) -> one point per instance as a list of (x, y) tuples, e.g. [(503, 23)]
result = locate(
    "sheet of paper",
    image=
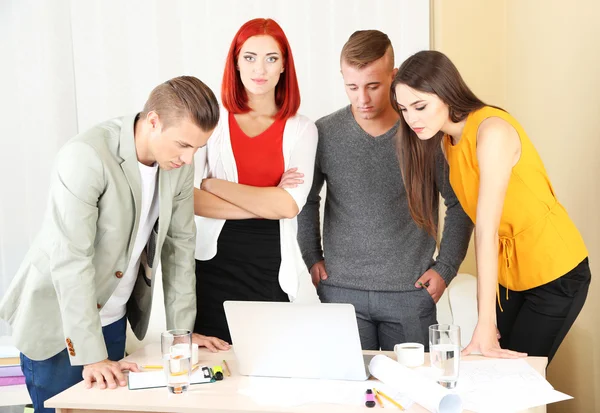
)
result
[(156, 378), (284, 392), (486, 386), (423, 390), (495, 385)]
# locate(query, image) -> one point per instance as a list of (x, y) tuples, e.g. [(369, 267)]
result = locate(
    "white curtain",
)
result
[(69, 64)]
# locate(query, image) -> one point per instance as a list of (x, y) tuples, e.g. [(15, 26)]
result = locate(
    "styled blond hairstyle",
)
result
[(184, 97), (366, 46)]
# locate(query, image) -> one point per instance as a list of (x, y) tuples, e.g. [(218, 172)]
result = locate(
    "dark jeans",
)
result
[(386, 318), (536, 321), (47, 378)]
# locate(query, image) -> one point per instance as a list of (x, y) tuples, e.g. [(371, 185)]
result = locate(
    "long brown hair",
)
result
[(429, 72)]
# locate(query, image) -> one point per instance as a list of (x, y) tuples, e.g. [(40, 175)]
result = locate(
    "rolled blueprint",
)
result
[(423, 391)]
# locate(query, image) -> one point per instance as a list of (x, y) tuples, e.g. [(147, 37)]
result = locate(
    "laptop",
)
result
[(313, 341)]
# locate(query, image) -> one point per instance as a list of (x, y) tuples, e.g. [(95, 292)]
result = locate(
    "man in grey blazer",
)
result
[(121, 196)]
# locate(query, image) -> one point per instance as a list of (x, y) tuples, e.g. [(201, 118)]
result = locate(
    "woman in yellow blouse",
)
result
[(533, 271)]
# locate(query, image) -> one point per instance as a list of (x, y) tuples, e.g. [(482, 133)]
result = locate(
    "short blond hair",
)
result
[(184, 97), (366, 46)]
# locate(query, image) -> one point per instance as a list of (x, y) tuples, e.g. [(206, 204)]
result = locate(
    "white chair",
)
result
[(458, 305)]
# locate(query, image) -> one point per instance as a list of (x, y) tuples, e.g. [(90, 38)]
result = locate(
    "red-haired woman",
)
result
[(257, 170)]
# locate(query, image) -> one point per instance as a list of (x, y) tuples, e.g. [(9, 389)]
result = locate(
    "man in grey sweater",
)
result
[(376, 257)]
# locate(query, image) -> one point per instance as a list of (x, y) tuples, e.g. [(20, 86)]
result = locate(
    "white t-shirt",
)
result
[(115, 307)]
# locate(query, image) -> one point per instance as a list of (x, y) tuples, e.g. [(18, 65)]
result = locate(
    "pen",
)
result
[(388, 398), (227, 367)]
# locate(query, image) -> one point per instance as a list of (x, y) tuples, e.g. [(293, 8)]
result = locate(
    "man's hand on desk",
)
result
[(214, 344), (107, 372)]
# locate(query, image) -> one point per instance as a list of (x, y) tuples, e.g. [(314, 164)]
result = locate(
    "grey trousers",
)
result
[(386, 318)]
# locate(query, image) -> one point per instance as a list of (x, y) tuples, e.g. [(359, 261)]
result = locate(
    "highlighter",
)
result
[(218, 372), (369, 399)]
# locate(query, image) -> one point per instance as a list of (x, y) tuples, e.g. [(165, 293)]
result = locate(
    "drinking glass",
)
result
[(444, 353), (176, 347)]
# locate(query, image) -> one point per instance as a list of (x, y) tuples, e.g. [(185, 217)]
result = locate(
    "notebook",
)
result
[(12, 381), (10, 371), (7, 351), (10, 361), (153, 379)]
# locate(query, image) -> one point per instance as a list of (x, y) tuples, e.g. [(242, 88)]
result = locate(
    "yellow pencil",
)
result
[(152, 367), (378, 399), (388, 398), (157, 367), (227, 366), (181, 373)]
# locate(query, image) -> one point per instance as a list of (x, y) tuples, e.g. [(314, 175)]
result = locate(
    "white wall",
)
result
[(67, 65)]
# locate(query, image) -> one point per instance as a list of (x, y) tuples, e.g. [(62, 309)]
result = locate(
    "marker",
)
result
[(369, 400), (218, 372)]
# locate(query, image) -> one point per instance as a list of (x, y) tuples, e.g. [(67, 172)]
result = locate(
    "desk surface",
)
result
[(222, 396)]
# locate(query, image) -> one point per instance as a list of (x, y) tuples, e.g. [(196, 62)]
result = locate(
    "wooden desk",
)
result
[(221, 397)]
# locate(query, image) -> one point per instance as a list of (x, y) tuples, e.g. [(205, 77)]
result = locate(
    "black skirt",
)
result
[(245, 268)]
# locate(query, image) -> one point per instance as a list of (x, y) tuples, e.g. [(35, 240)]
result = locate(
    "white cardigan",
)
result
[(216, 160)]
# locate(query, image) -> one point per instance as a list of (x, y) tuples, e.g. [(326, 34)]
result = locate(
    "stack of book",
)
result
[(10, 366)]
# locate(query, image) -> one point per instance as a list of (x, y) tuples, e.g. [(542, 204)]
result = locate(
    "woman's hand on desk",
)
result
[(485, 341), (107, 373), (214, 344)]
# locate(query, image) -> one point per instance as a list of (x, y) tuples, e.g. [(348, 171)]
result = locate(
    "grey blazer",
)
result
[(84, 247)]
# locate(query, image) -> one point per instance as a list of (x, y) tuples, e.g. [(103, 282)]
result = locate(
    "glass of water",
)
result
[(176, 347), (444, 353)]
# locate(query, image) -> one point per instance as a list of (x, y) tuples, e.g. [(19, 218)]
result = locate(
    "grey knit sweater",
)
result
[(370, 241)]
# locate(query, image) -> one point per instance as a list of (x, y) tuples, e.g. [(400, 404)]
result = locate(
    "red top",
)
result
[(259, 160)]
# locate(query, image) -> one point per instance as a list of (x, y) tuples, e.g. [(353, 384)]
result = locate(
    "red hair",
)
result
[(287, 93)]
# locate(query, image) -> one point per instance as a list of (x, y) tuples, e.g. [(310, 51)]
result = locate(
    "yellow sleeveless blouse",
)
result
[(538, 242)]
